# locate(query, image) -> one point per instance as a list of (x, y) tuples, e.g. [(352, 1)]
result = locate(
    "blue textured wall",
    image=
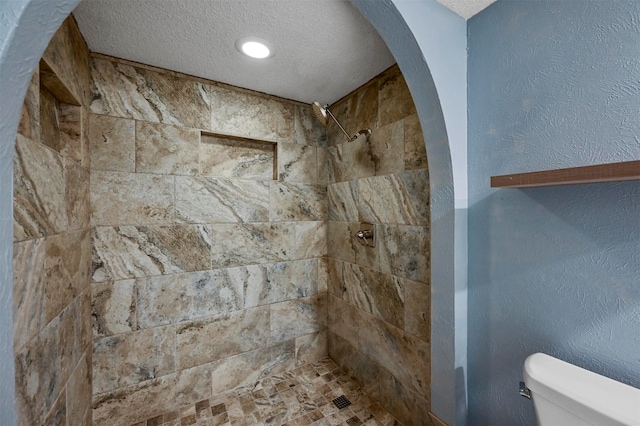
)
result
[(557, 269)]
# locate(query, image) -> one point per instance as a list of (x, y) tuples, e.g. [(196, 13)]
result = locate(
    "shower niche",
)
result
[(236, 157)]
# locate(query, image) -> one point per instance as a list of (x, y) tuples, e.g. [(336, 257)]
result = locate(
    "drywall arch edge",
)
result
[(429, 43), (26, 26)]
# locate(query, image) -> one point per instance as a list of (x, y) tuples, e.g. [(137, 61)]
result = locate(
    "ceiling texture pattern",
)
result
[(324, 49)]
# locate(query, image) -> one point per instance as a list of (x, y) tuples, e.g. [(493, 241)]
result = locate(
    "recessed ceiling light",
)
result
[(254, 47)]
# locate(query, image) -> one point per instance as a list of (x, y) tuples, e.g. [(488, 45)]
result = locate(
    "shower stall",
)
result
[(179, 263)]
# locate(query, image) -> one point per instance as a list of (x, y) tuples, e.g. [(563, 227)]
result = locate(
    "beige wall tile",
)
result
[(417, 309), (404, 251), (364, 109), (29, 125), (113, 307), (112, 143), (78, 390), (237, 158), (415, 151), (125, 91), (401, 198), (361, 369), (28, 290), (171, 299), (343, 201), (58, 413), (292, 280), (67, 261), (342, 244), (394, 98), (77, 196), (341, 112), (211, 200), (165, 149), (406, 405), (131, 358), (310, 240), (234, 333), (70, 120), (39, 191), (295, 318), (297, 163), (386, 146), (248, 114), (251, 243), (308, 130), (138, 251), (343, 320), (323, 165), (311, 347), (297, 202), (119, 198)]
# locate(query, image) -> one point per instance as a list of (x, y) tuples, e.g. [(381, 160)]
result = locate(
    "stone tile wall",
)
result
[(208, 273), (52, 240), (379, 305)]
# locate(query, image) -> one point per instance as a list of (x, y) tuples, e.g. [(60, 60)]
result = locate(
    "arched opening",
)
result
[(23, 44)]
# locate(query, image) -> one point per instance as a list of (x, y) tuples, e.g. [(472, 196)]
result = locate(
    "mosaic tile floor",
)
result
[(299, 397)]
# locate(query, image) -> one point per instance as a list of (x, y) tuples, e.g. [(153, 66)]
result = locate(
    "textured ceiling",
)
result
[(466, 8), (323, 49)]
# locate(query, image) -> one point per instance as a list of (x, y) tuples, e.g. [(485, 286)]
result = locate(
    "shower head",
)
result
[(320, 111)]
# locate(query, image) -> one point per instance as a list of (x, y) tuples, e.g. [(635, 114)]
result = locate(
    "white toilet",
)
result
[(566, 395)]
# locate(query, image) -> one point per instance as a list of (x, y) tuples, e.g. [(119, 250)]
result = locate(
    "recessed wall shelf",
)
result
[(611, 172)]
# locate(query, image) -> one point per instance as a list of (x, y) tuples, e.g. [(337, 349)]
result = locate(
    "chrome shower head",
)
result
[(320, 111)]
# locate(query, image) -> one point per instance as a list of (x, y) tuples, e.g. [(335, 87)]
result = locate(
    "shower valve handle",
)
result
[(364, 234)]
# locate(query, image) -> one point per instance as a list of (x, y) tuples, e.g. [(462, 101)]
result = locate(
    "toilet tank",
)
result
[(566, 395)]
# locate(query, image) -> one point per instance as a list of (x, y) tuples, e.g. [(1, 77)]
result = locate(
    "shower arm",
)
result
[(349, 138)]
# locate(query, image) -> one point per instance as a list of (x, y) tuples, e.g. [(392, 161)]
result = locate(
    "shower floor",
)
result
[(299, 397)]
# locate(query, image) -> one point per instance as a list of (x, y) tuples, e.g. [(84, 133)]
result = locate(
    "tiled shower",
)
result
[(176, 238)]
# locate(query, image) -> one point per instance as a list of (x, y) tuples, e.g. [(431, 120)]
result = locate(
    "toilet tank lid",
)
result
[(580, 390)]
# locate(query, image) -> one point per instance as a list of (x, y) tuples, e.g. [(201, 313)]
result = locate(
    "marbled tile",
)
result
[(311, 347), (166, 149), (343, 201), (113, 307), (415, 152), (310, 240), (130, 92), (358, 367), (343, 320), (112, 143), (404, 356), (404, 251), (137, 251), (297, 201), (246, 369), (67, 267), (38, 191), (66, 55), (323, 274), (291, 280), (57, 416), (250, 243), (237, 158), (297, 163), (406, 405), (119, 198), (49, 126), (77, 196), (323, 165), (295, 318), (335, 284), (309, 130), (379, 294), (417, 309), (29, 125), (41, 373), (130, 358), (78, 390), (341, 112), (28, 290), (401, 198), (394, 98), (70, 121), (248, 114), (341, 240), (364, 109), (131, 404), (173, 298), (359, 160), (233, 333), (210, 200), (386, 145)]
